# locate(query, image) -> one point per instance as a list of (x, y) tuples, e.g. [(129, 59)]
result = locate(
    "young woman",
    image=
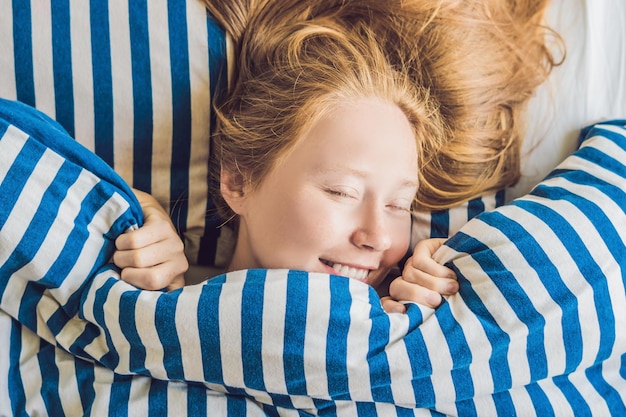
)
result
[(306, 67)]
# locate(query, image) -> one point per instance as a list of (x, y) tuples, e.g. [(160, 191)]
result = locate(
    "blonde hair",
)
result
[(293, 72), (474, 64)]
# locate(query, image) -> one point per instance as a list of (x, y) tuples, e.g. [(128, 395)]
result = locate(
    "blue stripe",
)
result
[(504, 404), (17, 394), (461, 352), (165, 323), (85, 378), (541, 402), (295, 331), (500, 198), (337, 338), (142, 95), (236, 406), (62, 65), (419, 358), (157, 397), (50, 387), (111, 358), (120, 395), (252, 329), (196, 400), (209, 329), (217, 85), (128, 324), (102, 80), (573, 396), (475, 207), (30, 298), (466, 408), (23, 51), (366, 409), (440, 223), (380, 375), (181, 112)]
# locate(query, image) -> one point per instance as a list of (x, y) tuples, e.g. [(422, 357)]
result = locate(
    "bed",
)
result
[(536, 329)]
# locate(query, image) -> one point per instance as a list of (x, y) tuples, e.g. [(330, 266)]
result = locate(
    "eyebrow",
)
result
[(405, 183)]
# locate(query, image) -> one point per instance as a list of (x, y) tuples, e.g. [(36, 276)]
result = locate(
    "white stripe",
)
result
[(177, 398), (275, 299), (31, 372), (187, 307), (356, 361), (139, 395), (458, 217), (160, 71), (317, 318), (43, 73), (11, 145), (103, 382), (420, 226), (82, 73), (5, 361), (8, 88), (69, 391), (199, 77), (230, 329), (145, 315), (519, 397), (122, 79), (443, 386)]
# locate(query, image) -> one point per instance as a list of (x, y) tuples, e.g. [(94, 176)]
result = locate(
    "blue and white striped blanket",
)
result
[(538, 327)]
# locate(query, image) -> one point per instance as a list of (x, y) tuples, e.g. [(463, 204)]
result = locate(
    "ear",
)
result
[(232, 189)]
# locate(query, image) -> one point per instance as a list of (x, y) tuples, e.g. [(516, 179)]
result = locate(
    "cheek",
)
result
[(401, 237)]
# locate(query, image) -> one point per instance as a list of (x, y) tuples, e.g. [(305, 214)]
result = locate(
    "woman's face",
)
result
[(339, 201)]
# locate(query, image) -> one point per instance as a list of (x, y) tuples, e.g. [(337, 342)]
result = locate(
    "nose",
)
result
[(371, 232)]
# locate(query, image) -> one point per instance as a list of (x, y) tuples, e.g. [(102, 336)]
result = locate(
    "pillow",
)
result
[(133, 82)]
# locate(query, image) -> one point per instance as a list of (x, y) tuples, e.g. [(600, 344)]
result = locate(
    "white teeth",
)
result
[(350, 272)]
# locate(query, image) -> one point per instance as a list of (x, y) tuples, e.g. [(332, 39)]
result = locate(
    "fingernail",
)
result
[(452, 287)]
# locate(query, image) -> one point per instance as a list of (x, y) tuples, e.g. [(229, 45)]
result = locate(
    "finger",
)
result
[(423, 261), (140, 238), (447, 286), (154, 278), (177, 282), (392, 306), (406, 291)]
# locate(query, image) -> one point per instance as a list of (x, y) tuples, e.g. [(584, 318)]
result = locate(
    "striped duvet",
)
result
[(538, 327)]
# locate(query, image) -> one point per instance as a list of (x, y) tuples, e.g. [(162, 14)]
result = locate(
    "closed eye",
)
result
[(341, 193)]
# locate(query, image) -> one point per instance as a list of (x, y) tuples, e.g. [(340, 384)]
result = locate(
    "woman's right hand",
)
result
[(152, 257)]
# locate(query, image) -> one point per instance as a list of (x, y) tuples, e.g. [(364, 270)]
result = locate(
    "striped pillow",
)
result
[(132, 81)]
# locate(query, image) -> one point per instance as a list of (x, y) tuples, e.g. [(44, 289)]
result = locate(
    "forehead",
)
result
[(363, 128)]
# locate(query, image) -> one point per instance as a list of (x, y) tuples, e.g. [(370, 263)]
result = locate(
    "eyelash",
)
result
[(338, 193), (343, 194)]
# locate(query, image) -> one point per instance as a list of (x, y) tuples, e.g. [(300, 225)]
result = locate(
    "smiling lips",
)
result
[(348, 271)]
